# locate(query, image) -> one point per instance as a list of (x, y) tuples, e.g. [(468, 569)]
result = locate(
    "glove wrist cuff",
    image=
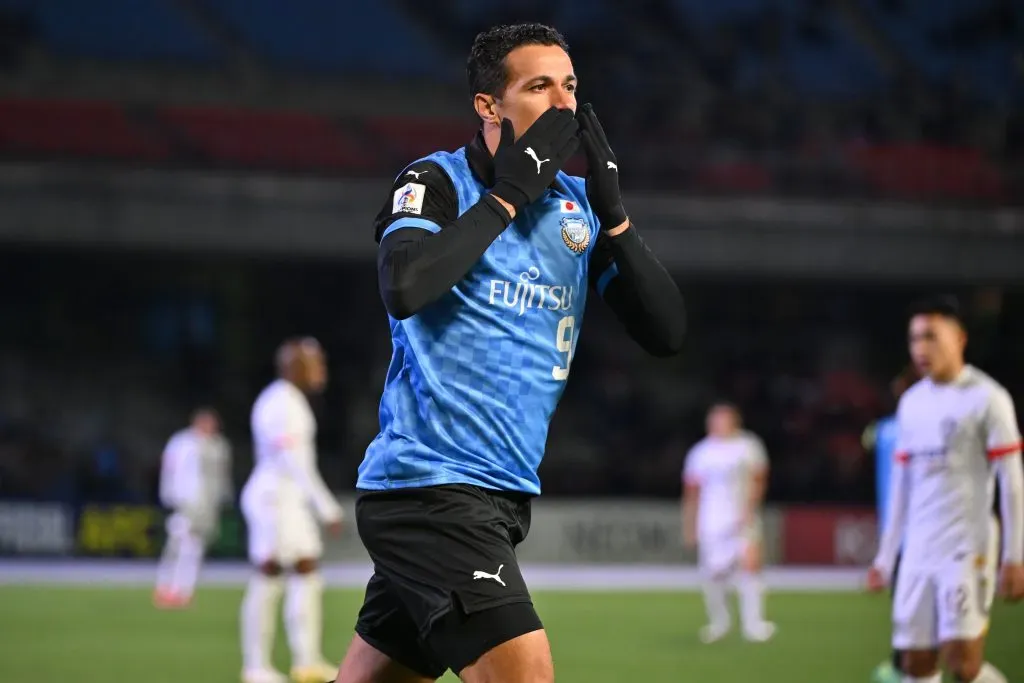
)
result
[(511, 194), (612, 217)]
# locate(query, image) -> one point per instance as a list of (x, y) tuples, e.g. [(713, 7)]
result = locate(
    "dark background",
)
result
[(183, 183)]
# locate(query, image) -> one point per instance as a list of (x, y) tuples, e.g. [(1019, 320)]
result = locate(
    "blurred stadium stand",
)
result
[(115, 29), (283, 140), (910, 99), (324, 35), (81, 129), (267, 131)]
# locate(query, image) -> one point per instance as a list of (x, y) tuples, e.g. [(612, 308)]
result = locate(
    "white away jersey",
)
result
[(948, 433), (284, 434), (724, 470), (195, 471)]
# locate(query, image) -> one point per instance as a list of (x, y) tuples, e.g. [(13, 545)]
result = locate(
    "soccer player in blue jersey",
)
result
[(485, 259)]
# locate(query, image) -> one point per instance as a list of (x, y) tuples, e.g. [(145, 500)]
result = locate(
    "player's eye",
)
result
[(539, 87), (571, 87)]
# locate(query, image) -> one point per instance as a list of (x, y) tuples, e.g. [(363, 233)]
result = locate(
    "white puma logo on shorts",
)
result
[(496, 576)]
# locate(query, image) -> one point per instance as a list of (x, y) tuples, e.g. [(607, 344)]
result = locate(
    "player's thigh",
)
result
[(718, 556), (387, 641), (507, 638), (751, 548), (447, 554), (204, 523), (363, 663), (914, 611), (751, 556), (966, 588), (524, 659), (300, 536), (178, 525), (263, 531), (920, 663)]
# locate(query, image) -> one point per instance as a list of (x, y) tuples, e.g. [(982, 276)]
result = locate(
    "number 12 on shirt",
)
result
[(563, 342)]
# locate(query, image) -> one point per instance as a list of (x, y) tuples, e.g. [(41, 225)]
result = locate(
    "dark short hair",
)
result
[(205, 410), (486, 68), (943, 305), (725, 404)]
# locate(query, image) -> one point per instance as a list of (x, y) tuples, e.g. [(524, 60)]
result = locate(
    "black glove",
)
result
[(602, 172), (524, 168)]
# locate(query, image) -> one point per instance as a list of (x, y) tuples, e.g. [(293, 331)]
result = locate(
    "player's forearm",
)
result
[(691, 498), (1011, 494), (892, 537), (689, 514), (758, 488), (645, 297), (312, 486), (416, 267)]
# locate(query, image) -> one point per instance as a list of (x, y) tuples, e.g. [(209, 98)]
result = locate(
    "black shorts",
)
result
[(446, 586)]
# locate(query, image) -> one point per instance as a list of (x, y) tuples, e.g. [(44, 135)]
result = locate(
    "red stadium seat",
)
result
[(411, 137), (734, 177), (74, 128), (269, 139), (927, 171)]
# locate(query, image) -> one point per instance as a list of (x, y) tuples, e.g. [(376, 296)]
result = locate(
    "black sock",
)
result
[(897, 660)]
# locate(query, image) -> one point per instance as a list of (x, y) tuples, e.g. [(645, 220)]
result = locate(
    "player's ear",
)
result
[(486, 108)]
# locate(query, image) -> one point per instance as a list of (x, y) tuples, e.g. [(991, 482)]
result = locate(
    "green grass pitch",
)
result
[(114, 635)]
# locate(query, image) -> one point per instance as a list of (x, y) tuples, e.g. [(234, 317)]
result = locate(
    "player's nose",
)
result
[(563, 99)]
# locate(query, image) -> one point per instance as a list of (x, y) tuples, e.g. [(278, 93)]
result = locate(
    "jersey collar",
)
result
[(481, 163), (965, 375)]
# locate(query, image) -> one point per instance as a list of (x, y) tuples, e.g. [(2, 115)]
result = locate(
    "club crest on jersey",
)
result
[(575, 234)]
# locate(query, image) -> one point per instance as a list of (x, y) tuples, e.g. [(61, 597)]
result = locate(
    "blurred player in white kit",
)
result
[(724, 479), (282, 501), (195, 483), (957, 433)]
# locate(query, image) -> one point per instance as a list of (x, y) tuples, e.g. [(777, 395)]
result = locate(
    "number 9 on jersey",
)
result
[(563, 342)]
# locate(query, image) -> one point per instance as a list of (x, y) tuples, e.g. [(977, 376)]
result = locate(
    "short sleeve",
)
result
[(758, 455), (901, 449), (1002, 432), (177, 451), (423, 196), (693, 473), (172, 446)]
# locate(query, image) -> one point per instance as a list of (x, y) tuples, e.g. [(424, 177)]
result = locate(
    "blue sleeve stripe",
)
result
[(606, 277), (411, 222)]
